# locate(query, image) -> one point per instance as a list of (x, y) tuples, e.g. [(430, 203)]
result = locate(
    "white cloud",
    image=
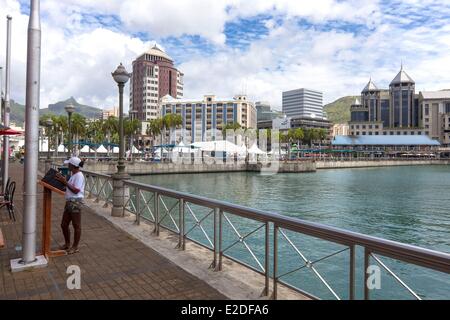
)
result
[(79, 51)]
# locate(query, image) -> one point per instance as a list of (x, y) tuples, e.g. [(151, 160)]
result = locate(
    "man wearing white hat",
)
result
[(74, 200)]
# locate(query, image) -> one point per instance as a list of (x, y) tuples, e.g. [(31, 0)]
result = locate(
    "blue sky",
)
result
[(262, 47)]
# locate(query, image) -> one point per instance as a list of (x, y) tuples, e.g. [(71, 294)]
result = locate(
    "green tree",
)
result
[(111, 127), (172, 121), (230, 126), (132, 129), (78, 127), (155, 128)]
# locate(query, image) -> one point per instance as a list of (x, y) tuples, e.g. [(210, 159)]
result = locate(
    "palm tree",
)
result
[(111, 127), (78, 126), (172, 121), (154, 129), (298, 135), (314, 135), (230, 126), (132, 128), (60, 127), (322, 135)]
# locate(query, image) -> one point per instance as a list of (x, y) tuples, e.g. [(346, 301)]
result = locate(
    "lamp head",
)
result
[(70, 108), (121, 76)]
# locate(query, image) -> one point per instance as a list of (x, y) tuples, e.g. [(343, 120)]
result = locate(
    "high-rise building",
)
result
[(154, 76), (204, 119), (303, 103), (400, 111), (265, 112)]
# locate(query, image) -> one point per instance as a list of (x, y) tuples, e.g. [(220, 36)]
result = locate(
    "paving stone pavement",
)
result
[(113, 264)]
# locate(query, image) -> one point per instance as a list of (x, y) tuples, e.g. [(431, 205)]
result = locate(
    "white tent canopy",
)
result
[(135, 150), (102, 149), (61, 148), (255, 150), (44, 147), (183, 148), (277, 152), (217, 146), (115, 150), (158, 151), (86, 149)]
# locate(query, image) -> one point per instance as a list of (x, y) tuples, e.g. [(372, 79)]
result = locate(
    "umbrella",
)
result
[(9, 132)]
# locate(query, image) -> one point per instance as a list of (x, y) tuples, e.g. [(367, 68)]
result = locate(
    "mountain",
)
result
[(17, 114), (58, 109), (339, 110), (18, 110)]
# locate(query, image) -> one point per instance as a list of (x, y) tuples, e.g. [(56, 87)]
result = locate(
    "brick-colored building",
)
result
[(154, 76)]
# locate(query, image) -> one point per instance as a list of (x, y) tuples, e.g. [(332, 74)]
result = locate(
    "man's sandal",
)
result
[(73, 250)]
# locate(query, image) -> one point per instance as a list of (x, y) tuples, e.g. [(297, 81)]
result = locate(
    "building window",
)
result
[(357, 127), (427, 120), (419, 133), (398, 133), (376, 133), (357, 133), (384, 133), (427, 110), (427, 133), (364, 133), (376, 127), (405, 133), (370, 133), (391, 133), (370, 126), (364, 126), (412, 133)]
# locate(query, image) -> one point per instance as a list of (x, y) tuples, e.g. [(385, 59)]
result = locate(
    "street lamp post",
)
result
[(48, 162), (7, 107), (70, 109), (121, 76)]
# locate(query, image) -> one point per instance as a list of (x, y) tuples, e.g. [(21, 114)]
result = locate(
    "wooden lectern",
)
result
[(47, 221)]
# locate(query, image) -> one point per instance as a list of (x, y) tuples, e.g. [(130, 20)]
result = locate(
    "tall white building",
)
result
[(303, 103), (154, 76)]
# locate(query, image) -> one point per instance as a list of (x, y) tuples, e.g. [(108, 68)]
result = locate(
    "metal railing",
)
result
[(205, 222)]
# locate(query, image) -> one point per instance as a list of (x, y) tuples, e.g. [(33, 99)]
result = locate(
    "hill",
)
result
[(18, 110), (17, 114), (339, 110), (58, 109)]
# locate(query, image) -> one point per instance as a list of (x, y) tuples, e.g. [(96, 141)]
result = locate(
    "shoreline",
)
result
[(144, 169)]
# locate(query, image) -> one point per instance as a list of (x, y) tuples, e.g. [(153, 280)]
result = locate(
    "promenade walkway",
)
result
[(113, 264)]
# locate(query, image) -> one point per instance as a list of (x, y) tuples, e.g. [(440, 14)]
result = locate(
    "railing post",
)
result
[(219, 267), (156, 200), (267, 260), (137, 192), (97, 180), (275, 262), (366, 275), (215, 235), (352, 273), (183, 224), (181, 218), (89, 196)]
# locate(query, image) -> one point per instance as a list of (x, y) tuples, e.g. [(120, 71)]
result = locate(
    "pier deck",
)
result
[(113, 264)]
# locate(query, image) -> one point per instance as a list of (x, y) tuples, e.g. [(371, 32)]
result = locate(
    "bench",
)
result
[(2, 240)]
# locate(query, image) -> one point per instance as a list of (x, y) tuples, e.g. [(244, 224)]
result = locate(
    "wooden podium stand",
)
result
[(47, 222)]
